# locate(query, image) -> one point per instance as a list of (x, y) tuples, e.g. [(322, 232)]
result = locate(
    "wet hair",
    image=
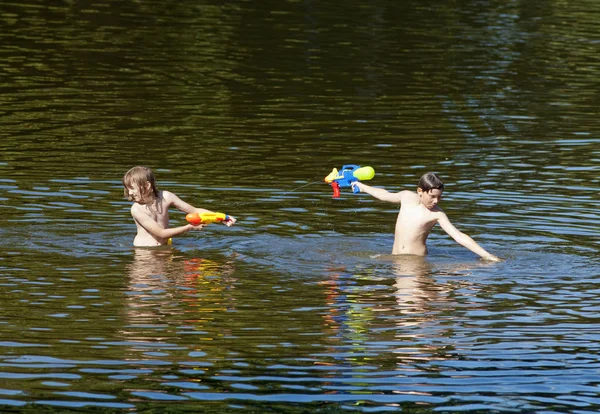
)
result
[(430, 181), (138, 177)]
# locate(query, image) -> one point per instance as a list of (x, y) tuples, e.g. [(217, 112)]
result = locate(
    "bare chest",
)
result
[(158, 213), (416, 217)]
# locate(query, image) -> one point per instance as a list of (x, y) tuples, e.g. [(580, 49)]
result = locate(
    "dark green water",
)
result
[(244, 108)]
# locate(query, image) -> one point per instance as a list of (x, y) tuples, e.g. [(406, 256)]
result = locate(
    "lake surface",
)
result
[(244, 108)]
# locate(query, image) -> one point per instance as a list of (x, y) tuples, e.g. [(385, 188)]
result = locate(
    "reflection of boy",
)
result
[(150, 209), (419, 212)]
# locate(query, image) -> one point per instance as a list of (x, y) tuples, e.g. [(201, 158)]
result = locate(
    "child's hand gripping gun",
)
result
[(346, 176), (206, 218)]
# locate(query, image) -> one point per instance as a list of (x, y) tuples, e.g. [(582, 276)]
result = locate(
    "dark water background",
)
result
[(244, 107)]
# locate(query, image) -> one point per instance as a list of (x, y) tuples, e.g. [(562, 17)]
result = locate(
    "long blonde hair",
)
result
[(138, 177)]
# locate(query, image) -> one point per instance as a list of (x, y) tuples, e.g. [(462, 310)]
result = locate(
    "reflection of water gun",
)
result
[(346, 176), (206, 218)]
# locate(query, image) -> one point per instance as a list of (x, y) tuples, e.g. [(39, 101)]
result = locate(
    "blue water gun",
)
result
[(346, 176)]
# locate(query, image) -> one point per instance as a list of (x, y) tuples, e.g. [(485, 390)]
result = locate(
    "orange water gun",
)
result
[(206, 218)]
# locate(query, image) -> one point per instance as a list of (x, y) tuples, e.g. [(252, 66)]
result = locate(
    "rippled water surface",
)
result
[(244, 107)]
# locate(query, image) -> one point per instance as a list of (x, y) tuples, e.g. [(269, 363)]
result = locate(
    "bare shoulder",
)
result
[(136, 209), (167, 197), (170, 199), (408, 197), (439, 214)]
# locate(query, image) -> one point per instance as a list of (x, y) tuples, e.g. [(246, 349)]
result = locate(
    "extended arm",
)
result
[(380, 193), (464, 240)]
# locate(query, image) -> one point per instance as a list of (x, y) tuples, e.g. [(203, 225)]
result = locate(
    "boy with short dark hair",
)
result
[(419, 212)]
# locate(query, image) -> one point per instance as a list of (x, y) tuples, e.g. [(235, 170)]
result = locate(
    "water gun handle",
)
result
[(355, 188), (336, 189)]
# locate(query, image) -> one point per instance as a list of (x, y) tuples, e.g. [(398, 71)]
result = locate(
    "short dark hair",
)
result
[(430, 181)]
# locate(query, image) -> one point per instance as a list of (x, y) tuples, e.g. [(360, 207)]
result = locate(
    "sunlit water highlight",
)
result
[(244, 108)]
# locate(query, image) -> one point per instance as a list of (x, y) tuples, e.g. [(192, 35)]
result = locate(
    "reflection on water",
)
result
[(416, 291), (299, 308), (164, 285)]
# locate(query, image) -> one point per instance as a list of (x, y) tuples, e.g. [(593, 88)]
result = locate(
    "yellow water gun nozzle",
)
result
[(333, 175)]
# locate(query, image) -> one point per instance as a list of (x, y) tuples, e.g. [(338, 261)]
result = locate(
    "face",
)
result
[(135, 193), (430, 198)]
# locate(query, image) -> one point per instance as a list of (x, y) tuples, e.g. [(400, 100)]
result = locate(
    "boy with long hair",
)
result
[(150, 209)]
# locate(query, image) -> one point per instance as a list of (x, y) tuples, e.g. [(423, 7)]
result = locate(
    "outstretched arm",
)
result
[(464, 240), (380, 193)]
